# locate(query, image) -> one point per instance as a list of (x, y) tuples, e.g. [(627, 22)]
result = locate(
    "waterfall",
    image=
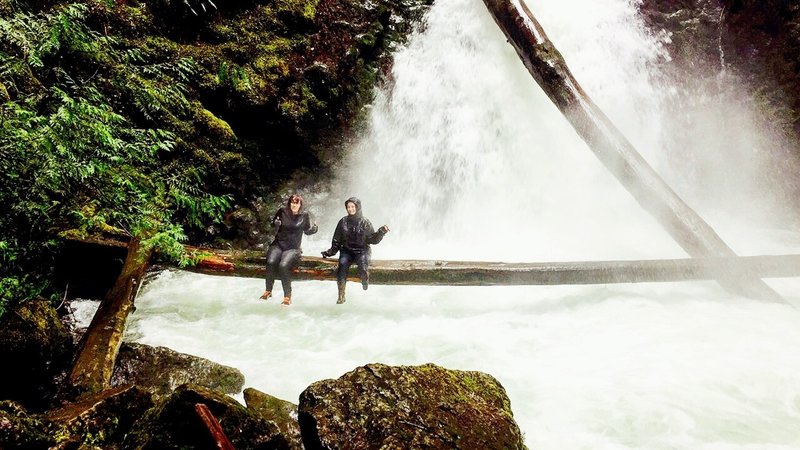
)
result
[(464, 147), (463, 144), (465, 158)]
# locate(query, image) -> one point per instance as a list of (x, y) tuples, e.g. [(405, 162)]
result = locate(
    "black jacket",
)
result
[(354, 233), (291, 228)]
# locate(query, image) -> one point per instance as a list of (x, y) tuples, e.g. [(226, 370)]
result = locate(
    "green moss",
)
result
[(301, 102), (230, 159), (297, 9)]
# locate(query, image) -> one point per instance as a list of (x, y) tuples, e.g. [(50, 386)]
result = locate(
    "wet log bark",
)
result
[(214, 428), (548, 68), (99, 347), (464, 273)]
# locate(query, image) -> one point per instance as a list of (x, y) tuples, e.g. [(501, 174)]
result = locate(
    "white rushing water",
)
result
[(465, 158)]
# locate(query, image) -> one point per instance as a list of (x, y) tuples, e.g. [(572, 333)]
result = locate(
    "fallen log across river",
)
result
[(465, 273)]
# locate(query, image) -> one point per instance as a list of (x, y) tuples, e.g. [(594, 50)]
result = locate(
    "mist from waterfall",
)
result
[(465, 158), (463, 144)]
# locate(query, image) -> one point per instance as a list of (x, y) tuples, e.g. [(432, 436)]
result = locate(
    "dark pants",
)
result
[(346, 259), (281, 262)]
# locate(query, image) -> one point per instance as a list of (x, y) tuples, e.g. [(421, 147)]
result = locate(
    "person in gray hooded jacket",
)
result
[(352, 239)]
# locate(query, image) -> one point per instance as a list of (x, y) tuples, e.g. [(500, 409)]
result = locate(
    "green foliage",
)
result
[(157, 90), (72, 162), (234, 76)]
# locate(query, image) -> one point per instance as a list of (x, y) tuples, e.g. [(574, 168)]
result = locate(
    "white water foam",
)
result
[(612, 367)]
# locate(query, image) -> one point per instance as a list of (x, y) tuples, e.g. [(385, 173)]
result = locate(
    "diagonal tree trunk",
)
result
[(94, 364), (550, 71)]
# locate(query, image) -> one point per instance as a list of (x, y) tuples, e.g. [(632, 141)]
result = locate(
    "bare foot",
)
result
[(286, 301), (265, 295)]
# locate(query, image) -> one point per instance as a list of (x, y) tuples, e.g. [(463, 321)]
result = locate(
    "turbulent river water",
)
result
[(465, 158)]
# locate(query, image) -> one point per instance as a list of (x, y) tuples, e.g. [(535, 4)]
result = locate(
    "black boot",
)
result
[(365, 281), (341, 285)]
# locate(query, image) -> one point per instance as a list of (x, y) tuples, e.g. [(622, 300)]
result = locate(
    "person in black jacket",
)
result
[(352, 239), (284, 252)]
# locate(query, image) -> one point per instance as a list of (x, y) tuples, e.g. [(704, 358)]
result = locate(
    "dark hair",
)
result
[(293, 198)]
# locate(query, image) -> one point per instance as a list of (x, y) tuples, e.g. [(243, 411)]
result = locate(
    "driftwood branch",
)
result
[(464, 273), (214, 428), (99, 347), (548, 68)]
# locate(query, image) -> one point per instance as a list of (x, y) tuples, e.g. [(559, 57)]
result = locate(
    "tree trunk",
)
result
[(462, 273), (94, 364), (550, 71)]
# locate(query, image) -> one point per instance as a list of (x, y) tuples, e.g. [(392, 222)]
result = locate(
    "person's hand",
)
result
[(325, 254), (384, 229), (277, 221)]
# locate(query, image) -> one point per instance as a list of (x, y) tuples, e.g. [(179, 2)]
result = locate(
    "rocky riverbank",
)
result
[(152, 403)]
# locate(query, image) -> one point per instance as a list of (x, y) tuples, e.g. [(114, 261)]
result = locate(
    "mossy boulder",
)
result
[(175, 424), (34, 348), (160, 370), (101, 419), (283, 413), (19, 430), (380, 406)]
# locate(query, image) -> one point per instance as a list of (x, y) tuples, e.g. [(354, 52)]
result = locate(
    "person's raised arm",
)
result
[(311, 225), (377, 237), (336, 242)]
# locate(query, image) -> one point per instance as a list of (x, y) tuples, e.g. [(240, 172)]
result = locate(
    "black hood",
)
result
[(356, 202)]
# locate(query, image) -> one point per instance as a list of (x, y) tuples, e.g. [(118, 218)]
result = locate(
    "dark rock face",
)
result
[(283, 413), (34, 348), (693, 27), (742, 54), (379, 406), (762, 39), (101, 419), (175, 424), (160, 370)]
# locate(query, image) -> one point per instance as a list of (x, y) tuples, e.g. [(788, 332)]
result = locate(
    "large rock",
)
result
[(283, 413), (176, 425), (160, 370), (384, 407), (34, 348), (101, 419)]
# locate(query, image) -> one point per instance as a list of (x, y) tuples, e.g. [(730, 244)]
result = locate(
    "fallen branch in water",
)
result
[(214, 428)]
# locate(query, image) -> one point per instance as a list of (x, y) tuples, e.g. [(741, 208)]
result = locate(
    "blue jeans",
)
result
[(281, 262), (346, 259)]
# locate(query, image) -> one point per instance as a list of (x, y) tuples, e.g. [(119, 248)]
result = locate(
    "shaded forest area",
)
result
[(169, 120)]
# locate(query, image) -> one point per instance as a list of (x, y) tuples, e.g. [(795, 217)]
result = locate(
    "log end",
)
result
[(215, 263)]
